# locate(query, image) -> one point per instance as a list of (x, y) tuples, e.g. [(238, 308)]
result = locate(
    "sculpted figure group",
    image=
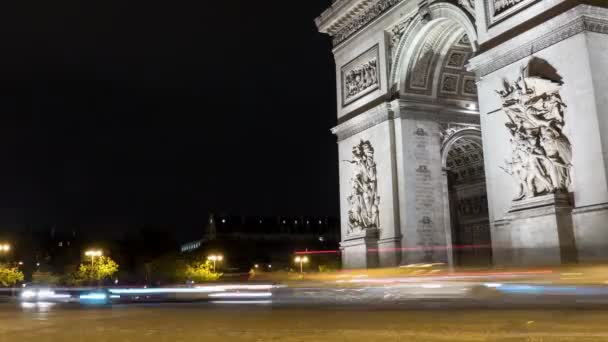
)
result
[(541, 153), (361, 78), (363, 200)]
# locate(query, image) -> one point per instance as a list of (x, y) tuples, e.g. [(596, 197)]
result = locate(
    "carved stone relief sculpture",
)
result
[(363, 200), (499, 10), (360, 76), (541, 152), (363, 19), (447, 130), (397, 33), (469, 5), (501, 6)]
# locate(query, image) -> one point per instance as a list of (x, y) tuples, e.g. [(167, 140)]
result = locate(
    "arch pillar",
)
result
[(421, 191)]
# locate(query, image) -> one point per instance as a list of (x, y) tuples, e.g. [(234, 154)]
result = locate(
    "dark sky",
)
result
[(156, 112)]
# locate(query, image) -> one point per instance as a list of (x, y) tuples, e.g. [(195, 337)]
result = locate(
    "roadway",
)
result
[(262, 322), (426, 309)]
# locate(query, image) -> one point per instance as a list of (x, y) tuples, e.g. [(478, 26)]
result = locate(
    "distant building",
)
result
[(247, 239)]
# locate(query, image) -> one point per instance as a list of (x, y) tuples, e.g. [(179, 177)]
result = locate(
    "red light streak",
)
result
[(425, 248), (405, 249), (318, 252)]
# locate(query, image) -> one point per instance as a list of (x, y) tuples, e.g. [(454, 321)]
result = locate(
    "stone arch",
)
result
[(472, 133), (418, 29), (468, 136)]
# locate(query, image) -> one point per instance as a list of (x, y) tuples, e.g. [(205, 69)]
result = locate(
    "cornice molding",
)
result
[(347, 17), (437, 112), (331, 14), (340, 13), (364, 121), (403, 109), (357, 23), (583, 18), (590, 208)]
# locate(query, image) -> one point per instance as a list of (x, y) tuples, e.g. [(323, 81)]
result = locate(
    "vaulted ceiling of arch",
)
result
[(465, 161), (454, 81), (420, 72)]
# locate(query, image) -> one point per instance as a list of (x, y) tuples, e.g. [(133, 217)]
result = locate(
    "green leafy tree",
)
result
[(167, 268), (101, 268), (9, 276), (201, 271), (45, 278)]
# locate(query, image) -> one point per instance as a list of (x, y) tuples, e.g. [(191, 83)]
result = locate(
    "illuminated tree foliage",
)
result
[(9, 276), (201, 271), (102, 268)]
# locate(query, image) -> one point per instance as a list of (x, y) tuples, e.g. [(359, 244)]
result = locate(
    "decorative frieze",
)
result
[(360, 76), (498, 10), (500, 6), (359, 21)]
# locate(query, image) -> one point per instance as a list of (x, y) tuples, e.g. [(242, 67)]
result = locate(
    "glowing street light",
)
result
[(92, 254), (215, 258), (301, 260), (5, 248)]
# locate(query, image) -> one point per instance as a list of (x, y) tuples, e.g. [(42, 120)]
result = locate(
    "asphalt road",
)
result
[(451, 312), (263, 322), (385, 311)]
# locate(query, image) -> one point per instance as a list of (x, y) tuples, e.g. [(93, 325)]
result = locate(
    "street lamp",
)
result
[(215, 258), (301, 260), (92, 254), (4, 248)]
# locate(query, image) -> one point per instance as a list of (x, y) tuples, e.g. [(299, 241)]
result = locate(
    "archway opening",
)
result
[(442, 92), (438, 76), (468, 203)]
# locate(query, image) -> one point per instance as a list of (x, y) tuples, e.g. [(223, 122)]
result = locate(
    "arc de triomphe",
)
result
[(471, 131)]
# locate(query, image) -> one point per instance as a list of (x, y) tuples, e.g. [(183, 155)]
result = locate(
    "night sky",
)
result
[(128, 113)]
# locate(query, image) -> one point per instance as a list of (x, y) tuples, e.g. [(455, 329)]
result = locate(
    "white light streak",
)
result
[(94, 296), (241, 295), (241, 302)]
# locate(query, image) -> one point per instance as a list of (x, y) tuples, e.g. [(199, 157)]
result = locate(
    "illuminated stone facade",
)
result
[(487, 125)]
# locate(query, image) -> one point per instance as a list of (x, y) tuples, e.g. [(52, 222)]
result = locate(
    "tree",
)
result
[(169, 268), (45, 278), (101, 268), (9, 276), (201, 271)]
